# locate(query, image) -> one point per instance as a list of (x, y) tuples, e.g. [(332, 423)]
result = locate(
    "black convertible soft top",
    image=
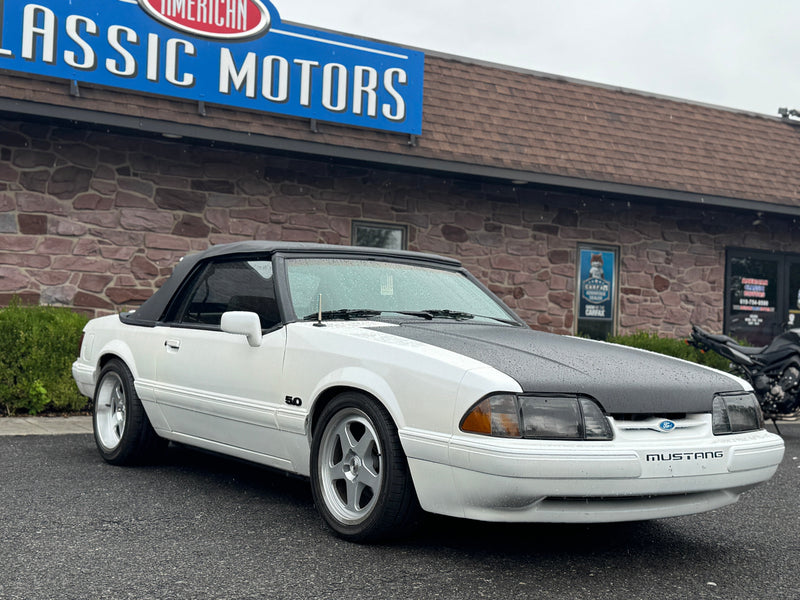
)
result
[(152, 310)]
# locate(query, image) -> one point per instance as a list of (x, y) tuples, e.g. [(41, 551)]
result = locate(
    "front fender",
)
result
[(365, 380)]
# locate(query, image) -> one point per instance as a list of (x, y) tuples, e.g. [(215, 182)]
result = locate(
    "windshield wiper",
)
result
[(348, 314), (364, 313), (423, 314), (444, 313), (344, 313), (465, 316)]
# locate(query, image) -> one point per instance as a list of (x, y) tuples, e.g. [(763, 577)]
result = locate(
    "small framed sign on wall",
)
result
[(597, 290)]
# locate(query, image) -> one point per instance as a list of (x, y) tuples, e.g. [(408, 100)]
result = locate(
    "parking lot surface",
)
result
[(200, 526)]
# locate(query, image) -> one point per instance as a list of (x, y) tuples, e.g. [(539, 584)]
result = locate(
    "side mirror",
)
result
[(243, 323)]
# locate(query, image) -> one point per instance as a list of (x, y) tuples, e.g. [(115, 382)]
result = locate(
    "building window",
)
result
[(762, 294), (379, 235), (597, 291)]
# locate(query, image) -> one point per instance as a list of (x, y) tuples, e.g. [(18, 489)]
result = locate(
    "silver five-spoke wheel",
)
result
[(359, 473), (110, 410), (121, 429), (351, 465)]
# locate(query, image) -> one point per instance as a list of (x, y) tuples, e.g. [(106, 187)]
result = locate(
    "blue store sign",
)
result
[(229, 52), (596, 282)]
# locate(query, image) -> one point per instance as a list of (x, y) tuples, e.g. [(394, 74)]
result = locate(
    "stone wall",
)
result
[(96, 220)]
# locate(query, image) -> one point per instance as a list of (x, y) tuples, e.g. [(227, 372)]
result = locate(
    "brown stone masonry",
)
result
[(96, 221)]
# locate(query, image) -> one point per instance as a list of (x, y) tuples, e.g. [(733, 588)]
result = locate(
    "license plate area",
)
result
[(672, 463)]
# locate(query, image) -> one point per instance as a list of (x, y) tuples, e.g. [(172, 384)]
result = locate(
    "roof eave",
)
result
[(245, 139)]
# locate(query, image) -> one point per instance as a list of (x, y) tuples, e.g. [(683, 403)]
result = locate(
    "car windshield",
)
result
[(357, 288)]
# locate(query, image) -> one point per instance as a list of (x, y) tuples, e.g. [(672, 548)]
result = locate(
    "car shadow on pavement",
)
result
[(433, 532), (548, 540), (273, 484)]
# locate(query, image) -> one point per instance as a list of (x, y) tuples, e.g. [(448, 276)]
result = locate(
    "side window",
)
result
[(232, 285)]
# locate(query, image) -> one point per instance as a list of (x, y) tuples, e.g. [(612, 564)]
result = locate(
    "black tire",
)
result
[(360, 479), (122, 431)]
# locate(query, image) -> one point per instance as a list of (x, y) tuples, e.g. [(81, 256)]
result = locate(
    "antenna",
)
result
[(319, 322)]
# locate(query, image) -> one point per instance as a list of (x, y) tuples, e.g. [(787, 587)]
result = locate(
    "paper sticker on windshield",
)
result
[(387, 285)]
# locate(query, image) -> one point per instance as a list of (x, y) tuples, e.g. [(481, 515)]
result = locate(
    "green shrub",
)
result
[(671, 347), (38, 345)]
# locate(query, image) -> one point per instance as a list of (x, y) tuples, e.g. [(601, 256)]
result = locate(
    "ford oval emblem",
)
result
[(666, 425), (220, 19)]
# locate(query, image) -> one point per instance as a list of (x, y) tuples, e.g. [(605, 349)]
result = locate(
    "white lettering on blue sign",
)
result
[(596, 290), (184, 49)]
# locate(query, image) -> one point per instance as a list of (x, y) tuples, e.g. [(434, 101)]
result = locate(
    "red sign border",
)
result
[(260, 29)]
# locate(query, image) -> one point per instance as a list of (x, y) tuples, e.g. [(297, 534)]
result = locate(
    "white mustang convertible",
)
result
[(394, 381)]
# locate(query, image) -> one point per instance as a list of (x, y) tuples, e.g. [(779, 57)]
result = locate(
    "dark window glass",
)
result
[(233, 285), (794, 295), (379, 235), (753, 284), (752, 298)]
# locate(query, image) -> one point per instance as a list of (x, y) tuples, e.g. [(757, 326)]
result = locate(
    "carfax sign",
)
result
[(228, 52), (596, 284)]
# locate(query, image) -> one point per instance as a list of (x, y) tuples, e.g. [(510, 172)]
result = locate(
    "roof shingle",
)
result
[(491, 116)]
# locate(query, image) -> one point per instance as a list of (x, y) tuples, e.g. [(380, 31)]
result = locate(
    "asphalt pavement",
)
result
[(197, 526)]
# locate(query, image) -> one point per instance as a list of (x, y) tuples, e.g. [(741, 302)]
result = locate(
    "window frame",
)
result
[(774, 321), (282, 282), (177, 309), (376, 225)]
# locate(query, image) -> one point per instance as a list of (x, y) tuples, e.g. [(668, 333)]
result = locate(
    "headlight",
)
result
[(735, 413), (550, 417)]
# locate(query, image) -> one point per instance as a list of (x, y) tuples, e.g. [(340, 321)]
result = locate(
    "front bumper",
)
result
[(631, 478)]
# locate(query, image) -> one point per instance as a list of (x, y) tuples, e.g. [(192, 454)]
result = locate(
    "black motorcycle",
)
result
[(772, 370)]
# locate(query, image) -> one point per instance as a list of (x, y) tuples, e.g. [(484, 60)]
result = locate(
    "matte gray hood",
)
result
[(623, 380)]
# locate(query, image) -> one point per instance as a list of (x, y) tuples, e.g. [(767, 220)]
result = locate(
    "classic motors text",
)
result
[(78, 42)]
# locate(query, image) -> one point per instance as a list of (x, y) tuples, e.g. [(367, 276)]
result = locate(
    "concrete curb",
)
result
[(45, 425)]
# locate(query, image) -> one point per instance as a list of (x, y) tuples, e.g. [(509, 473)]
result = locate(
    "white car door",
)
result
[(214, 389)]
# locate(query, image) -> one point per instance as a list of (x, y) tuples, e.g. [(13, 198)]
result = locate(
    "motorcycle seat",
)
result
[(718, 337), (749, 350), (730, 342)]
